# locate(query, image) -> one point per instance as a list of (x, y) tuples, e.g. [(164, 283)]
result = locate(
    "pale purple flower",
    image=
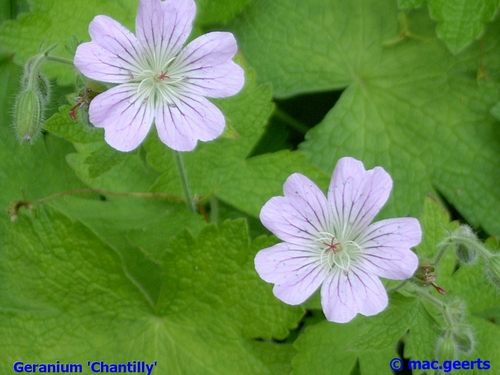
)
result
[(159, 80), (330, 241)]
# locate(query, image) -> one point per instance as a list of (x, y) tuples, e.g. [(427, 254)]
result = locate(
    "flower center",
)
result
[(337, 253), (159, 86)]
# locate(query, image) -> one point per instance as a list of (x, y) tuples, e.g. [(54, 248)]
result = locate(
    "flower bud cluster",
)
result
[(457, 338)]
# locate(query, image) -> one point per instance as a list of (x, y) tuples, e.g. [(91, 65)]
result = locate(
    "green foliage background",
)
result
[(117, 277)]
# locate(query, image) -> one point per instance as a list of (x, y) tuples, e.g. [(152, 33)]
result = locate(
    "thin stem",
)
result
[(397, 287), (61, 60), (471, 242), (447, 315), (441, 253), (465, 241), (290, 121), (14, 207), (184, 182), (35, 66), (107, 192), (433, 300)]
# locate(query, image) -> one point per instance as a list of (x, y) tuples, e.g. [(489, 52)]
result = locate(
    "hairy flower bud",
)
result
[(445, 350), (28, 113), (465, 252), (34, 97), (463, 339)]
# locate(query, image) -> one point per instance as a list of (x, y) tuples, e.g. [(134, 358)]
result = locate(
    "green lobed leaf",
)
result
[(427, 322), (424, 332), (137, 226), (216, 270), (436, 225), (329, 348), (435, 222), (64, 292), (102, 160), (40, 171), (156, 222), (120, 205), (408, 106), (70, 290), (61, 124), (471, 283), (104, 168), (277, 357), (487, 341), (461, 21), (131, 218)]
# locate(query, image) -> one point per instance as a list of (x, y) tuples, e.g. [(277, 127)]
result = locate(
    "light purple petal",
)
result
[(112, 56), (206, 61), (356, 195), (124, 116), (190, 120), (293, 269), (343, 296), (162, 27), (386, 248), (300, 215)]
